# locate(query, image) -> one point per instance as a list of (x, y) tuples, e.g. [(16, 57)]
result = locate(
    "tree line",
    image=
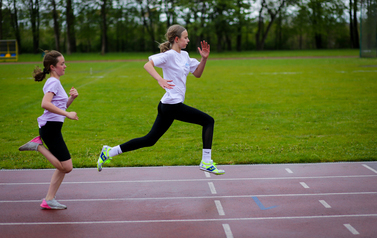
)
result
[(138, 25)]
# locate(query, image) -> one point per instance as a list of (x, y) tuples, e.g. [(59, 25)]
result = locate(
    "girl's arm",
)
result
[(47, 104), (204, 52), (149, 67), (73, 95)]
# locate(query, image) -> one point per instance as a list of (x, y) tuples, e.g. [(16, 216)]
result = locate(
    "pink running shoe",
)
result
[(52, 204), (32, 145)]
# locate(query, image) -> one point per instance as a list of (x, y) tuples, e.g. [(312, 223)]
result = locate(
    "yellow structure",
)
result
[(8, 50)]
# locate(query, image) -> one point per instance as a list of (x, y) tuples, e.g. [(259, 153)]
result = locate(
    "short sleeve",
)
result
[(52, 86), (193, 64), (159, 60)]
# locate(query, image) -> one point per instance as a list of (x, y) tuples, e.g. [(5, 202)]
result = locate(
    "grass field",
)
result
[(268, 110)]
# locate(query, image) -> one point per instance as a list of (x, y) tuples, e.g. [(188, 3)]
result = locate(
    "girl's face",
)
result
[(60, 66), (183, 40)]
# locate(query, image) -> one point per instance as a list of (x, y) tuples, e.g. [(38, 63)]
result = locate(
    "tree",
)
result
[(267, 9), (35, 23), (150, 17), (104, 27), (14, 16), (56, 25), (354, 32), (1, 19), (70, 21)]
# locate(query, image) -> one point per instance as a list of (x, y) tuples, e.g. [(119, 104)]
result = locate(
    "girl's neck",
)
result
[(55, 75), (176, 48)]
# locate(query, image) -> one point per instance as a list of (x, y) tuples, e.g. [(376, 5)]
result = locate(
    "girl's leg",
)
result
[(57, 179), (192, 115), (51, 158), (160, 126)]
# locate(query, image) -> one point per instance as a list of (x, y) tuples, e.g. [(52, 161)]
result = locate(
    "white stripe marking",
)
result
[(304, 185), (219, 208), (366, 166), (227, 230), (325, 204), (351, 229), (195, 180), (187, 220), (212, 188), (208, 175), (202, 197), (289, 171)]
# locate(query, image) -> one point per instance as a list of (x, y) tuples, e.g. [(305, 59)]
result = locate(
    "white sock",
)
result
[(116, 150), (206, 157)]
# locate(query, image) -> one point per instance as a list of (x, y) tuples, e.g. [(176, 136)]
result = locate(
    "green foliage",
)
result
[(134, 26), (271, 110)]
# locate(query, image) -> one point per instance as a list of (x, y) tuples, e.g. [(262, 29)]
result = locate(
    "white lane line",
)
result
[(324, 203), (195, 180), (219, 208), (227, 230), (208, 175), (212, 188), (187, 220), (202, 197), (289, 171), (351, 229), (366, 166), (304, 185)]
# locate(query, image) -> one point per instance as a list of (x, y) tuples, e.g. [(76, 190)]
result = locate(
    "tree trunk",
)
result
[(260, 27), (351, 23), (56, 26), (34, 18), (104, 28), (71, 39), (1, 19), (14, 16), (355, 28)]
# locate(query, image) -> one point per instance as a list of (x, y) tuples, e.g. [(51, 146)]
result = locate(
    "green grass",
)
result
[(266, 110), (244, 54)]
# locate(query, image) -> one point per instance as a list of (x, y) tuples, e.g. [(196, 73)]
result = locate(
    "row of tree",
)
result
[(136, 25)]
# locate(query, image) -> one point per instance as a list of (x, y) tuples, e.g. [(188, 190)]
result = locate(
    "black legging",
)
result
[(167, 113)]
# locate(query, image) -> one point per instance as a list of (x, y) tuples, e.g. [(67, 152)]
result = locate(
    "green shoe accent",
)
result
[(210, 168), (103, 157)]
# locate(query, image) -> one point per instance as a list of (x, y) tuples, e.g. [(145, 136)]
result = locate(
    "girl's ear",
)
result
[(52, 68), (176, 39)]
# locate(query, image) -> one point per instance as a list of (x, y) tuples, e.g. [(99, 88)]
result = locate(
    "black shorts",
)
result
[(51, 134)]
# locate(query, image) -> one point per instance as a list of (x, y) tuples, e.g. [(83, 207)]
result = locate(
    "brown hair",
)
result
[(50, 58), (173, 31)]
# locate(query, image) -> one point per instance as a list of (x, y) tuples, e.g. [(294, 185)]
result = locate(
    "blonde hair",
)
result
[(50, 58), (173, 31)]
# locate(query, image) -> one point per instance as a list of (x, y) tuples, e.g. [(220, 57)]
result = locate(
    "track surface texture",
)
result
[(279, 200)]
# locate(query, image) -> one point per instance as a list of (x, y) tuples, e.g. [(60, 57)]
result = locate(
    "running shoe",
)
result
[(32, 145), (104, 157), (52, 204), (211, 168)]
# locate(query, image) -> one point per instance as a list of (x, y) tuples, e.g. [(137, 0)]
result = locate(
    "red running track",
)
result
[(283, 200)]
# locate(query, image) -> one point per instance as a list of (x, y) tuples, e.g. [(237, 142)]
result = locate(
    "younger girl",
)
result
[(55, 102), (176, 65)]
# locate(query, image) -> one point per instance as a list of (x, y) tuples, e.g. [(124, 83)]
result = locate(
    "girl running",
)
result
[(55, 102), (176, 65)]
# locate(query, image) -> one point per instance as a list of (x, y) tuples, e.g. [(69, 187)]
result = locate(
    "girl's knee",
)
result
[(67, 166)]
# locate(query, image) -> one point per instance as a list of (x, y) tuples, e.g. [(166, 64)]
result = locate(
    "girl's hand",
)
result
[(72, 116), (73, 93), (165, 83), (204, 52)]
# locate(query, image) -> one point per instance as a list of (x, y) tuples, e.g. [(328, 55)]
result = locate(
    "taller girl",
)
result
[(176, 65), (55, 102)]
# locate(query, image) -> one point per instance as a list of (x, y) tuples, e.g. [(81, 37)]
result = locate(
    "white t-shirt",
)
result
[(175, 66), (60, 100)]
